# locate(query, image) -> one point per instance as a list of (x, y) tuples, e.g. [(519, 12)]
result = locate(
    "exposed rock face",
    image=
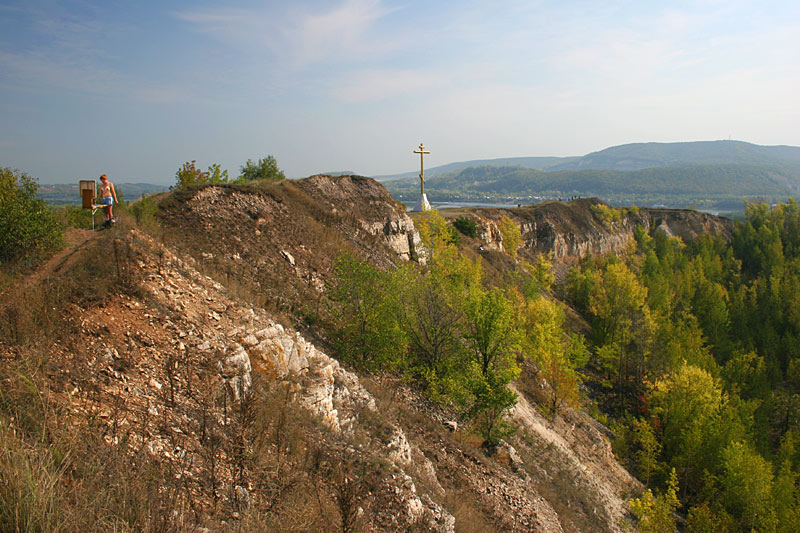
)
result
[(247, 340), (378, 213), (561, 475), (572, 230), (283, 239), (573, 442)]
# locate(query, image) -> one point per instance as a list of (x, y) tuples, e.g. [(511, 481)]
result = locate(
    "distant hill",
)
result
[(712, 174), (637, 156), (541, 163), (67, 193)]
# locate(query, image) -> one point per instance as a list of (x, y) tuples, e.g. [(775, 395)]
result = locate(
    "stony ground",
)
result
[(255, 427)]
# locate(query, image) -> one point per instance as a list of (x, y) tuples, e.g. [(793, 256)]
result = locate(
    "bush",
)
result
[(27, 226), (190, 174), (466, 226), (145, 211), (74, 216), (264, 169), (607, 214), (512, 236)]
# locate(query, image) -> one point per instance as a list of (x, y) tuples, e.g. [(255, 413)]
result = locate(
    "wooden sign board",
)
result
[(88, 189)]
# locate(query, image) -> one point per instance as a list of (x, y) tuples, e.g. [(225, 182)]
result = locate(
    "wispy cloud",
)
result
[(383, 84), (296, 37)]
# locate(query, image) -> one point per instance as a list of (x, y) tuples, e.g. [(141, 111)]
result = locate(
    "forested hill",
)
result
[(637, 156), (541, 163), (709, 187), (709, 174)]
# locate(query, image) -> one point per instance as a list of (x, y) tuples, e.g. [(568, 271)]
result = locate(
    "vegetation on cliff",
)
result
[(692, 356), (446, 328), (696, 348), (266, 169), (686, 350)]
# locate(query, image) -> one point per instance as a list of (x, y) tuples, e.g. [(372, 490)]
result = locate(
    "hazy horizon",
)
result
[(134, 90)]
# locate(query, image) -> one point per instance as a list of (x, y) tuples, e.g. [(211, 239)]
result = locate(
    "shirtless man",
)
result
[(108, 197)]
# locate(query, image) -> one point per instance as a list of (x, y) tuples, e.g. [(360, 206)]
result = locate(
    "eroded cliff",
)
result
[(207, 382)]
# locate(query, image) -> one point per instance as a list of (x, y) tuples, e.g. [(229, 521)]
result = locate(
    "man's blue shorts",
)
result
[(107, 200)]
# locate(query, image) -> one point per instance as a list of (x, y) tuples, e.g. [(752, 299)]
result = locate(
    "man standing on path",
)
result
[(108, 197)]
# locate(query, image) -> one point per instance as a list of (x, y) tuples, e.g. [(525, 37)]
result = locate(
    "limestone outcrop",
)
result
[(573, 230)]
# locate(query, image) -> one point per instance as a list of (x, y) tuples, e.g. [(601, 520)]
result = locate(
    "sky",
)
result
[(134, 89)]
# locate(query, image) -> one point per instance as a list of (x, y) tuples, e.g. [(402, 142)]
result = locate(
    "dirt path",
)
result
[(75, 240)]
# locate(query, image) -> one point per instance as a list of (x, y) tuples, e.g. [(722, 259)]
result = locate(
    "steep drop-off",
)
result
[(197, 372), (573, 230)]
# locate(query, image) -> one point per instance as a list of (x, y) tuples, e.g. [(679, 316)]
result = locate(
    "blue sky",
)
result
[(134, 89)]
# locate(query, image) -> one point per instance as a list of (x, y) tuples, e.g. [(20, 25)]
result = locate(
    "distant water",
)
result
[(455, 205), (452, 205)]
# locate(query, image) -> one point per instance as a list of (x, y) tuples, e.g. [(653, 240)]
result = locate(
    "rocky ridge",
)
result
[(577, 229), (187, 372)]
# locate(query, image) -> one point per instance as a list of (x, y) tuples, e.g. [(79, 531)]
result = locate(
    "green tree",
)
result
[(466, 226), (491, 331), (493, 399), (493, 339), (27, 227), (369, 333), (747, 482), (265, 169), (687, 404), (555, 354), (536, 277), (512, 237), (703, 519), (216, 174), (189, 174), (623, 326), (679, 340), (649, 448), (656, 514)]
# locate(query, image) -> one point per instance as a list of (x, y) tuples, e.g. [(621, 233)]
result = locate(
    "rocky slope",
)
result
[(252, 425), (573, 230)]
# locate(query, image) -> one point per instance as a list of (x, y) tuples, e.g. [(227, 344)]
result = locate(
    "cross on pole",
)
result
[(422, 151)]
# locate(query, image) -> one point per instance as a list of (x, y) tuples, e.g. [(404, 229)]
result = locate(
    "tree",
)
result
[(27, 226), (648, 449), (512, 238), (216, 174), (369, 333), (493, 399), (656, 513), (491, 330), (622, 326), (265, 169), (747, 481), (554, 353), (688, 405), (190, 174), (466, 226)]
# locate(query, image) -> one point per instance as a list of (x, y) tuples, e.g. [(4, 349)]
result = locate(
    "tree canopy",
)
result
[(265, 169)]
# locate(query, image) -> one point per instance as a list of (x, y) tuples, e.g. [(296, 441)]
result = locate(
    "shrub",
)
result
[(466, 226), (190, 174), (27, 226), (74, 216), (264, 169), (512, 237), (607, 214), (145, 211)]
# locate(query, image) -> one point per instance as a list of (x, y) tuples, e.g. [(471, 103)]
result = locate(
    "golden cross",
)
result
[(422, 151)]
